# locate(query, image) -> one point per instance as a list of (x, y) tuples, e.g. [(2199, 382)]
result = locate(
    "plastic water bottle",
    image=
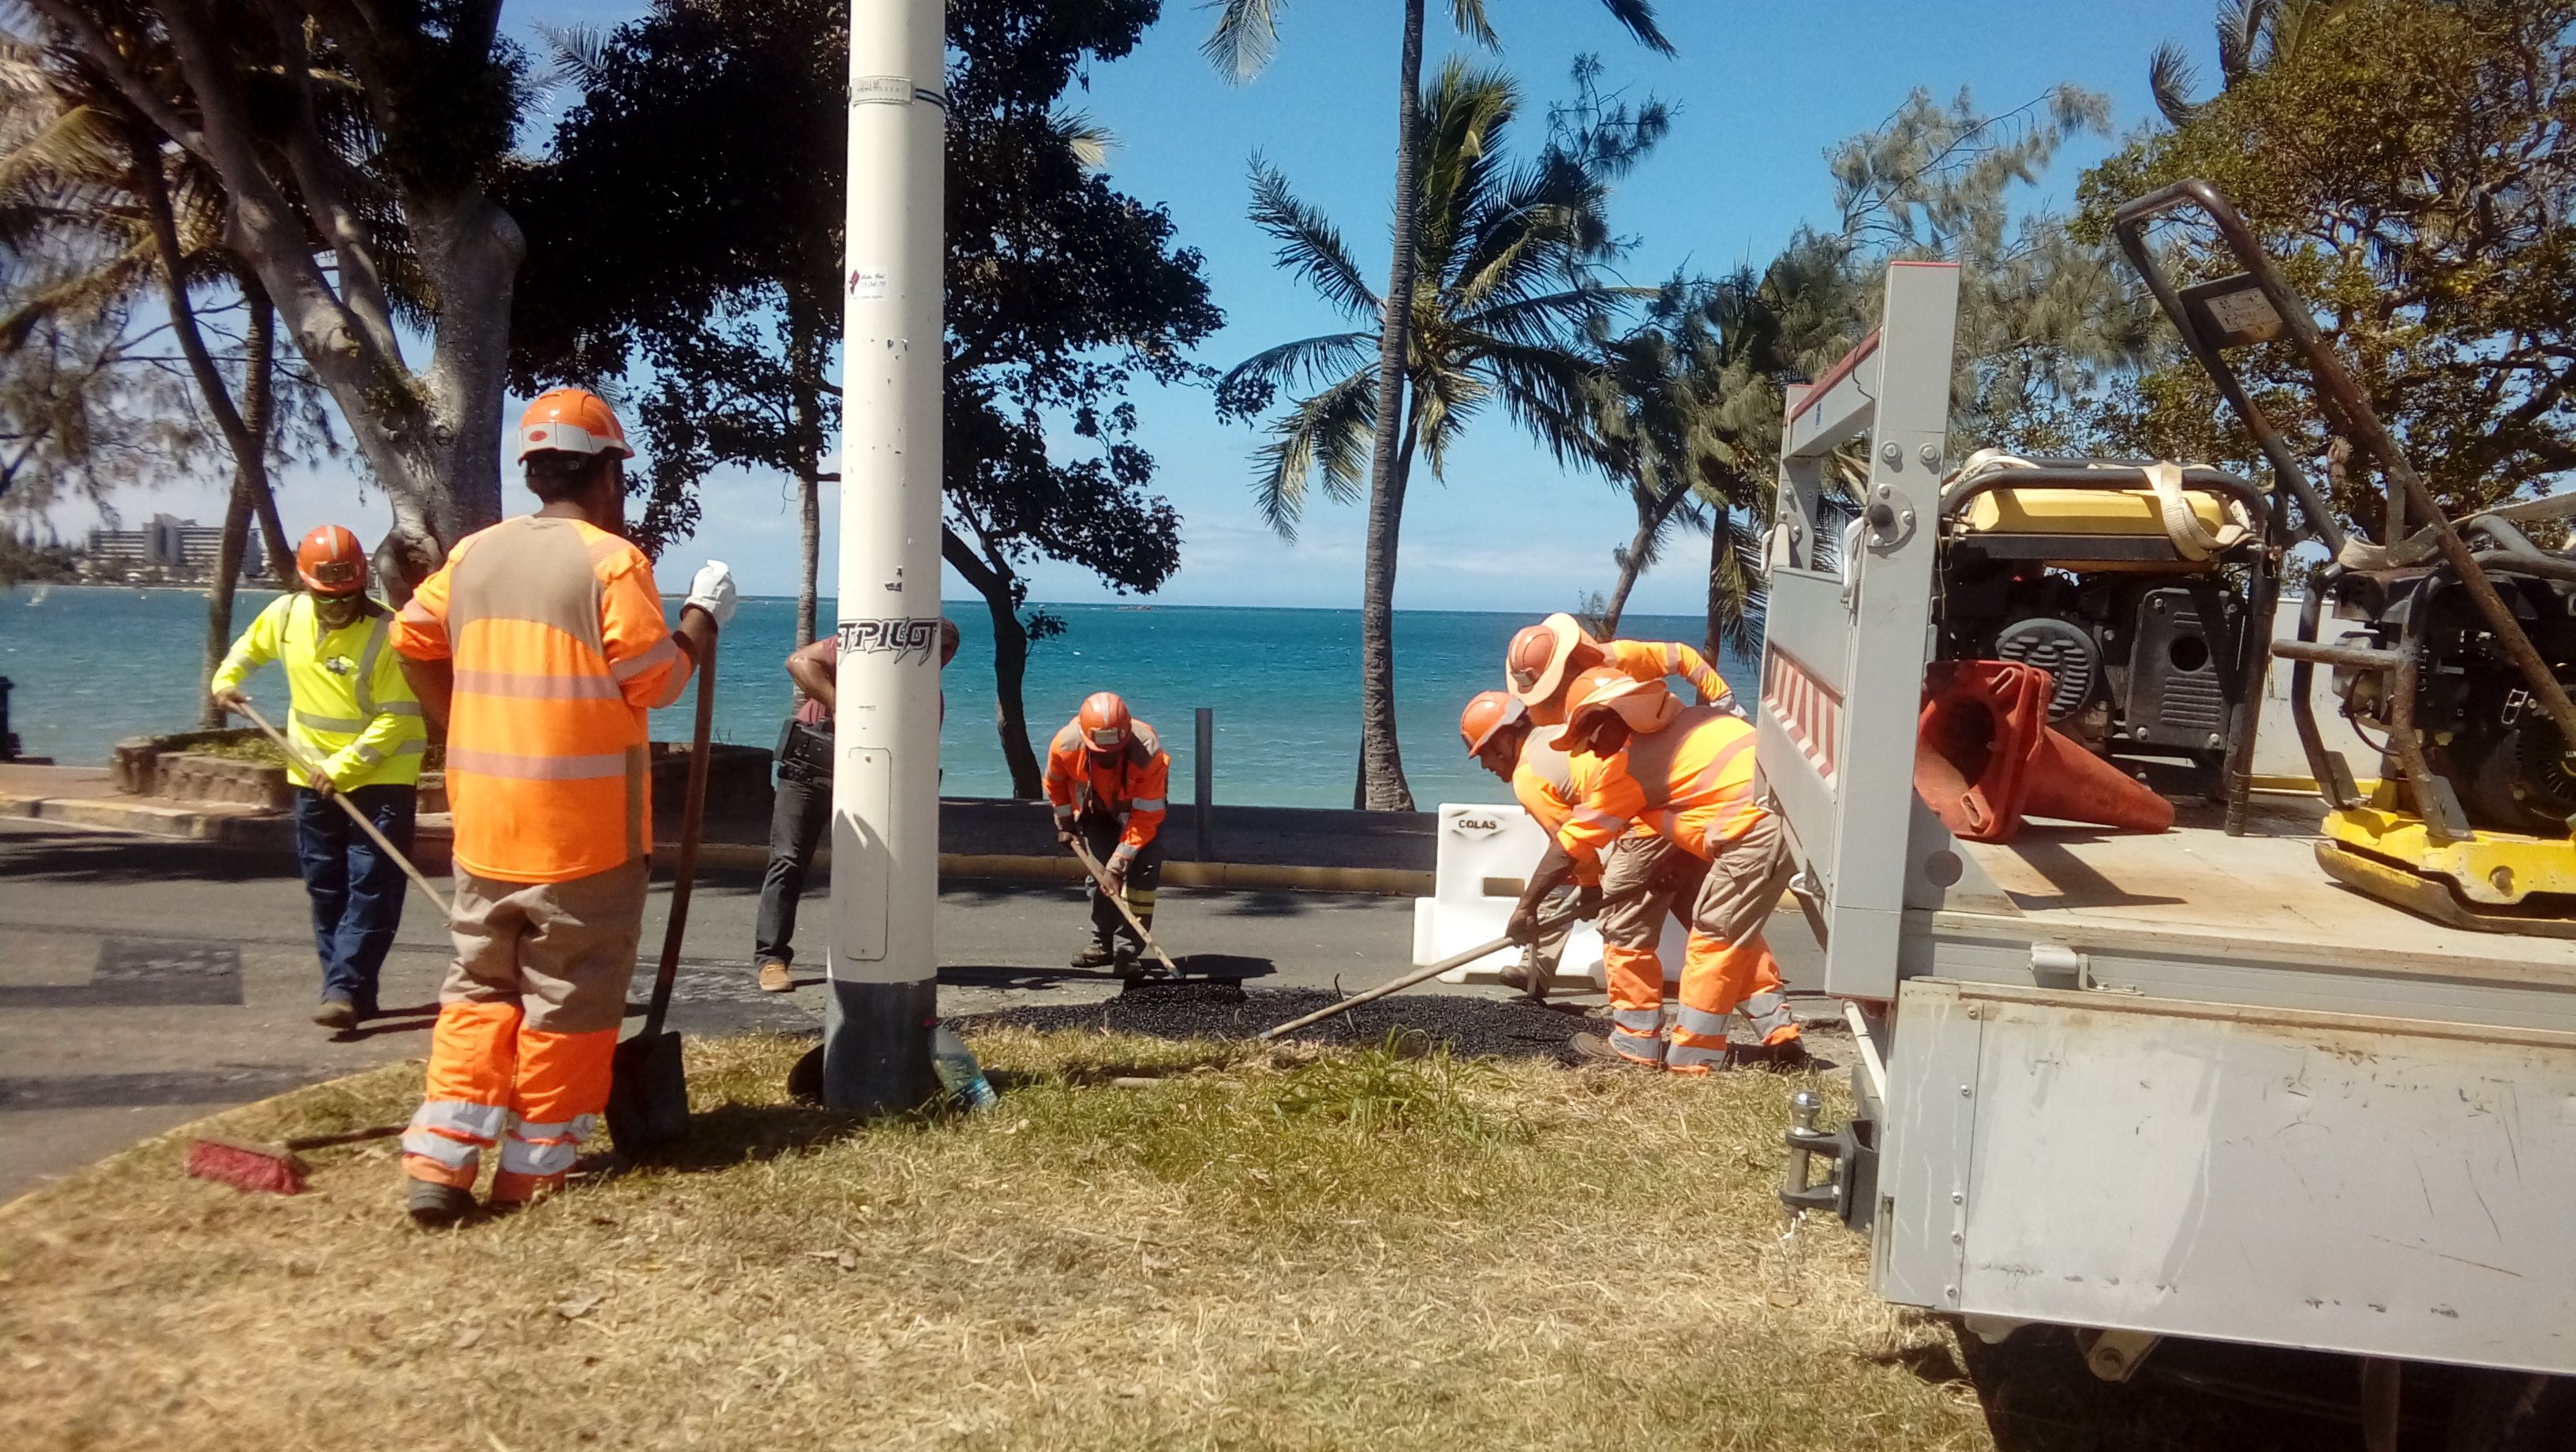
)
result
[(958, 1072)]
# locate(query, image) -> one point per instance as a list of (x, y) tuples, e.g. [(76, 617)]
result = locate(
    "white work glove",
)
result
[(713, 592)]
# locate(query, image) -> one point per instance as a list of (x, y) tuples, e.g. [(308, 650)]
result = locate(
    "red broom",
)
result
[(270, 1168)]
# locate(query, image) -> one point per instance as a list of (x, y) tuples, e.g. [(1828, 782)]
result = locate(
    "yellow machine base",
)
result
[(2484, 884)]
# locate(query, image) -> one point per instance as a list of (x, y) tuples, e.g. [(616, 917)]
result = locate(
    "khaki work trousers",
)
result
[(527, 1023), (1728, 968)]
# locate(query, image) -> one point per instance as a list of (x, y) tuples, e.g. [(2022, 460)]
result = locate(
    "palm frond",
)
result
[(2171, 78), (576, 59), (1310, 246), (1245, 38), (1469, 17), (1302, 363), (1088, 139), (1639, 17), (1326, 436)]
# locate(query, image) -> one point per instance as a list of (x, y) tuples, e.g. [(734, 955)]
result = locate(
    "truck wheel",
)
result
[(2511, 1411)]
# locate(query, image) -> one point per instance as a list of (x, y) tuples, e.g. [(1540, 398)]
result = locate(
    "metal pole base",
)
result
[(876, 1046)]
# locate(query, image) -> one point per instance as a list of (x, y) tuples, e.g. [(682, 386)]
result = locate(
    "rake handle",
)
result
[(1454, 960), (1100, 879), (311, 768), (684, 872)]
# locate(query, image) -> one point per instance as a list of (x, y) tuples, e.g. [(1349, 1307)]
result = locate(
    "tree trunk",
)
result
[(259, 354), (1381, 762), (1650, 523), (994, 581), (806, 365)]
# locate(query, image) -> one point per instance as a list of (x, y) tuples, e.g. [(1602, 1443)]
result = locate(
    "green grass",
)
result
[(1256, 1249)]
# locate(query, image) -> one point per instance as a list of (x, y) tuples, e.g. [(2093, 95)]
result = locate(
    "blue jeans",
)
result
[(357, 890)]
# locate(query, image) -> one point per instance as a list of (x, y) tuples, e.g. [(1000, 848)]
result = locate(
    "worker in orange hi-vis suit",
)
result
[(1501, 737), (1107, 776), (1544, 659), (1686, 773), (538, 647)]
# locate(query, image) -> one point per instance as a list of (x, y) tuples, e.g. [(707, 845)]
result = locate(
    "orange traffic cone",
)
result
[(1985, 757)]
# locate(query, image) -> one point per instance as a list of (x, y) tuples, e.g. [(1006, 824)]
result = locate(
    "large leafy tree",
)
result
[(1060, 289), (1245, 38), (2408, 165), (355, 146), (1503, 292)]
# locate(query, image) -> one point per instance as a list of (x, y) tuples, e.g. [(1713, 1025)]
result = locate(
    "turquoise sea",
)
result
[(91, 665)]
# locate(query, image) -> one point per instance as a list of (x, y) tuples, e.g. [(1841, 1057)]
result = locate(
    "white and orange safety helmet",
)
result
[(1646, 706), (1543, 657), (1104, 721), (1487, 713), (571, 421), (330, 561)]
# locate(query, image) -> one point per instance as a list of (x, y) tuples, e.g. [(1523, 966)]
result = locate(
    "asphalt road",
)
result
[(146, 982)]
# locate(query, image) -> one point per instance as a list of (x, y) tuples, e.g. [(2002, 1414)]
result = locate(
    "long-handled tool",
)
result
[(1100, 879), (648, 1092), (314, 769), (1399, 984), (271, 1168)]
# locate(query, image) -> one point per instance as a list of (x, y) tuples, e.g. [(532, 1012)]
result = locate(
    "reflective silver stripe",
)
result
[(1692, 1056), (377, 629), (1063, 813), (451, 1131), (1701, 1022), (363, 756), (1672, 658), (399, 708), (1148, 804), (456, 1154), (1595, 817), (1637, 1046), (538, 688), (628, 669), (546, 1149), (596, 766), (1638, 1020), (413, 747), (329, 723), (1769, 1011), (1125, 853), (1707, 778)]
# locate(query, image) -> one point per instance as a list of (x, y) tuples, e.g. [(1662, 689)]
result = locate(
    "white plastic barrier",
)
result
[(1484, 859)]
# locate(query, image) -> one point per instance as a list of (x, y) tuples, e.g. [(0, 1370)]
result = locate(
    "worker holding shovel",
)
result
[(352, 728), (1107, 774), (539, 647)]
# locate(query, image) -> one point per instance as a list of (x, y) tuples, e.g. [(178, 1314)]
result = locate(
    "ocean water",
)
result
[(91, 665)]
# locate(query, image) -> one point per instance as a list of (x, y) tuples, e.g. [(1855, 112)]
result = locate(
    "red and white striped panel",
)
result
[(1809, 711)]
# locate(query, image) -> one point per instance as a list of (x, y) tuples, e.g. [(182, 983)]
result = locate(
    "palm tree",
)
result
[(1245, 38)]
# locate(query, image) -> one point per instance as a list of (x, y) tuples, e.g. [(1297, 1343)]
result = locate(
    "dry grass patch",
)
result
[(1265, 1249)]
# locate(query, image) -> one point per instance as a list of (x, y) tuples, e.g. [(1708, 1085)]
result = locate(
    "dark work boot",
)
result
[(1097, 954), (433, 1206), (337, 1014)]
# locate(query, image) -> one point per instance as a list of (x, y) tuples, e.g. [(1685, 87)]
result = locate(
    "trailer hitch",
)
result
[(1850, 1192)]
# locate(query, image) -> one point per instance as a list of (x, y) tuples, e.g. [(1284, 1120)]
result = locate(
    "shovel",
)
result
[(648, 1094)]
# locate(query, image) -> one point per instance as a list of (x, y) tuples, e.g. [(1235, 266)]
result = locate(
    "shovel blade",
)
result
[(648, 1096)]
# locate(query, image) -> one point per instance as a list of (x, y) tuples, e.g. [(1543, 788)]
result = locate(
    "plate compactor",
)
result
[(2455, 646)]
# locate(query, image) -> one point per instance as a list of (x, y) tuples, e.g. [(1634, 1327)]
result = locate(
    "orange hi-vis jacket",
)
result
[(559, 650), (1132, 786), (1544, 779), (1691, 782), (1653, 660)]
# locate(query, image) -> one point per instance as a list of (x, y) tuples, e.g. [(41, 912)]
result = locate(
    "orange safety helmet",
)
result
[(1104, 721), (1487, 713), (1544, 656), (1646, 706), (571, 421), (331, 562)]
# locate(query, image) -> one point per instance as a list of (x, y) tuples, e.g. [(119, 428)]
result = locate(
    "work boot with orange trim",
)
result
[(431, 1197)]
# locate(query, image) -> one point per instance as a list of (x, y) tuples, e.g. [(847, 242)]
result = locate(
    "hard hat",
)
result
[(331, 562), (571, 421), (1487, 713), (1104, 721), (1545, 655), (1646, 706)]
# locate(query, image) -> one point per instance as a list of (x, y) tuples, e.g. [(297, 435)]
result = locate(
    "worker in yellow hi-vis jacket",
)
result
[(354, 717)]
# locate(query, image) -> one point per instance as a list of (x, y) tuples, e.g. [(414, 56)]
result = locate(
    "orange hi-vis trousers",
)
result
[(1727, 967), (527, 1024)]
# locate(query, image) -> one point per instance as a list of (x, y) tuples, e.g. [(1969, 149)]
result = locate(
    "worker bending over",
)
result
[(1544, 659), (1686, 773), (1501, 737), (351, 716), (540, 646), (1107, 776), (803, 802)]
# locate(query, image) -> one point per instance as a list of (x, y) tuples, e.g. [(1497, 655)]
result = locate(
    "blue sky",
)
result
[(1763, 90)]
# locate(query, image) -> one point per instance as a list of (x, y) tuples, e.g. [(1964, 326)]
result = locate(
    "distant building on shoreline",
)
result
[(165, 551)]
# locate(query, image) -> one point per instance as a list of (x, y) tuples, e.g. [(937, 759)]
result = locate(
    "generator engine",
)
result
[(2481, 729)]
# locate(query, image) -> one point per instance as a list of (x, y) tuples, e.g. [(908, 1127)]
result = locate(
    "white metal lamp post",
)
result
[(885, 781)]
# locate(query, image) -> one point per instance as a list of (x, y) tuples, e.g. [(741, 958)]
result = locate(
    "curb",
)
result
[(258, 829)]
